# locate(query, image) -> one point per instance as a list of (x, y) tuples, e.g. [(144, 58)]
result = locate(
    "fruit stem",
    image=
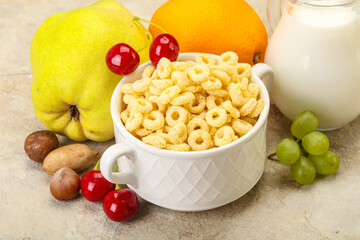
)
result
[(74, 112), (256, 58), (272, 157), (97, 165), (136, 18), (117, 187)]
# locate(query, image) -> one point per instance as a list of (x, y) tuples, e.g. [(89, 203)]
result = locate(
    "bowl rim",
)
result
[(115, 114)]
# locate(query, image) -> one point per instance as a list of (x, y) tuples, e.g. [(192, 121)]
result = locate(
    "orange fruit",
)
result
[(213, 26)]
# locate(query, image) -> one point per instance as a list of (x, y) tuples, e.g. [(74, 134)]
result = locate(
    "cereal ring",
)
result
[(148, 71), (228, 118), (198, 105), (199, 140), (147, 94), (155, 75), (248, 107), (160, 107), (222, 76), (223, 136), (154, 90), (155, 141), (176, 114), (258, 109), (141, 85), (140, 105), (228, 106), (163, 83), (216, 117), (196, 124), (234, 90), (154, 120), (213, 101), (198, 73), (179, 66), (127, 88), (229, 70), (253, 90), (212, 131), (211, 84), (153, 99), (204, 58), (243, 70), (164, 68), (142, 132), (183, 147), (228, 58), (162, 134), (252, 121), (241, 127), (244, 82), (183, 98), (178, 133), (127, 98), (134, 121), (124, 115), (180, 79), (193, 89), (219, 93), (190, 62), (169, 94)]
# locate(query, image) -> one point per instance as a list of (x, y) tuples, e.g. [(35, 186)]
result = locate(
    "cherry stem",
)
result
[(117, 185), (136, 19), (272, 157), (97, 165)]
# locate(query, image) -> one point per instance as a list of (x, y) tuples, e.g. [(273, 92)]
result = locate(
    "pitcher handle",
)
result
[(265, 73)]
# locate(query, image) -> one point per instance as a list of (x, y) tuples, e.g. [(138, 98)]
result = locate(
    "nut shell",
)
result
[(39, 144), (65, 184)]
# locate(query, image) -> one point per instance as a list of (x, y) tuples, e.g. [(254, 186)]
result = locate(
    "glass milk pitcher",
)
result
[(315, 53)]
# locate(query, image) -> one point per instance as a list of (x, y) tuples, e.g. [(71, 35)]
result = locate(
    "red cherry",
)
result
[(122, 59), (94, 186), (121, 205), (164, 45)]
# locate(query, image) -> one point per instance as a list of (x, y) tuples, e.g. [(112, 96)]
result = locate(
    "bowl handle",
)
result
[(265, 73), (108, 160)]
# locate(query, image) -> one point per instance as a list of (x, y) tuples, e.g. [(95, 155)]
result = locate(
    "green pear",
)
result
[(72, 86)]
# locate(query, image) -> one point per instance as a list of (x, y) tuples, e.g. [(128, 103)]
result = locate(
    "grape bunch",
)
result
[(308, 152)]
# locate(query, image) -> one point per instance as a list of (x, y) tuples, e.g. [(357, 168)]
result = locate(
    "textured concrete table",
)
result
[(276, 208)]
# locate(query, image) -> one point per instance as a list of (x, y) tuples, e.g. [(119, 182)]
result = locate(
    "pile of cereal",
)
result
[(183, 106)]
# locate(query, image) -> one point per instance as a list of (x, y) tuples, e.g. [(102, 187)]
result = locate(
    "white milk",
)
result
[(315, 53)]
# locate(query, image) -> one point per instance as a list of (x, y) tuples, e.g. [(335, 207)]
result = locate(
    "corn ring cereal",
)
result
[(180, 79), (258, 109), (253, 90), (213, 101), (140, 105), (233, 111), (182, 147), (155, 141), (155, 74), (127, 98), (169, 94), (178, 133), (176, 114), (127, 88), (241, 127), (199, 140), (164, 68), (200, 115), (244, 82), (198, 105), (141, 85), (211, 84), (154, 120), (216, 117), (124, 115), (223, 76), (252, 121), (196, 124), (134, 121), (203, 58), (198, 73), (248, 107), (228, 58), (142, 132), (155, 91), (223, 136), (148, 71), (243, 70), (193, 89), (184, 98), (235, 93), (179, 66), (162, 83), (219, 93), (163, 135)]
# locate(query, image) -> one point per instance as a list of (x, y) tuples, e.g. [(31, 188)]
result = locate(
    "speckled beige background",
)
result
[(276, 208)]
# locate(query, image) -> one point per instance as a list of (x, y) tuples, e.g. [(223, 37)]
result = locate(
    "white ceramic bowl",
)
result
[(187, 181)]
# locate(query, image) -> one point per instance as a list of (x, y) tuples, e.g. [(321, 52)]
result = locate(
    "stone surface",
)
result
[(276, 208)]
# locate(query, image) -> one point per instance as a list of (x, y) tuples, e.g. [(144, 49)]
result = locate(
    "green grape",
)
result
[(315, 143), (304, 123), (288, 151), (303, 171), (326, 163)]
